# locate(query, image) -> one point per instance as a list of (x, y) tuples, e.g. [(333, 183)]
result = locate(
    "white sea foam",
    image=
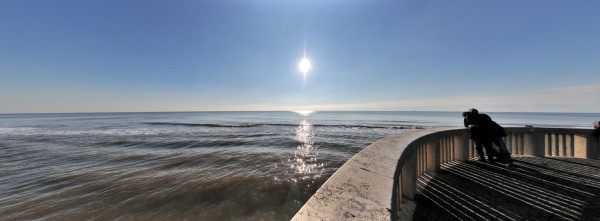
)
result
[(16, 130), (26, 131)]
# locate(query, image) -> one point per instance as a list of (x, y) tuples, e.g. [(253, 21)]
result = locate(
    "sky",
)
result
[(188, 55)]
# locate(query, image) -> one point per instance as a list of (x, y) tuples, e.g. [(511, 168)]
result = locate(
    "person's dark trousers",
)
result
[(504, 153), (479, 145)]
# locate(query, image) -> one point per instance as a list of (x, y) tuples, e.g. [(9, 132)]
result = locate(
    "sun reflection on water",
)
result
[(304, 112), (305, 163), (304, 168)]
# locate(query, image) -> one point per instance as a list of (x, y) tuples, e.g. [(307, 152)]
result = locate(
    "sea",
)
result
[(195, 165)]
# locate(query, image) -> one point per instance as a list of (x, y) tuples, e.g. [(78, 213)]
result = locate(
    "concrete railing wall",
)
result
[(372, 184), (427, 153)]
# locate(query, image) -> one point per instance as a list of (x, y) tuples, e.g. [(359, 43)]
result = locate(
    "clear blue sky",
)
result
[(95, 56)]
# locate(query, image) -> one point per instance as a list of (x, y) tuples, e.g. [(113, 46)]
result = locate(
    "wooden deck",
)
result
[(537, 188)]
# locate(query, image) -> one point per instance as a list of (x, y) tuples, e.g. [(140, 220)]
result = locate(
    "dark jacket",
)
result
[(497, 130), (483, 128)]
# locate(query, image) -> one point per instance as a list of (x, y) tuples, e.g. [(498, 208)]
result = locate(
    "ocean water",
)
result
[(194, 165)]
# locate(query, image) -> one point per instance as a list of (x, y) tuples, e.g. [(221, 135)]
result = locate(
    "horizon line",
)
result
[(200, 111)]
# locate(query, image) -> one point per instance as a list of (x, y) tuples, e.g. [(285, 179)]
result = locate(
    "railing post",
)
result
[(399, 195), (433, 155), (461, 147), (581, 146), (534, 143), (409, 177), (569, 141)]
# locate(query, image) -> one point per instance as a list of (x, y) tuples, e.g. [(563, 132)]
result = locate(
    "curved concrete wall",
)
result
[(361, 188), (371, 185)]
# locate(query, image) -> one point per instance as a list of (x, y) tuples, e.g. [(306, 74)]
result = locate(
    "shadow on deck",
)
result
[(537, 188)]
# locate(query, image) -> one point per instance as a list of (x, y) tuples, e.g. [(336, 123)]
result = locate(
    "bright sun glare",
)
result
[(304, 65)]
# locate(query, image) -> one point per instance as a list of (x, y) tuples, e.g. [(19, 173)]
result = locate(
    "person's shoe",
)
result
[(492, 161), (482, 160)]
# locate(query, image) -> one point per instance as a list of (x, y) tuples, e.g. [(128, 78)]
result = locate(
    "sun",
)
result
[(304, 65)]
